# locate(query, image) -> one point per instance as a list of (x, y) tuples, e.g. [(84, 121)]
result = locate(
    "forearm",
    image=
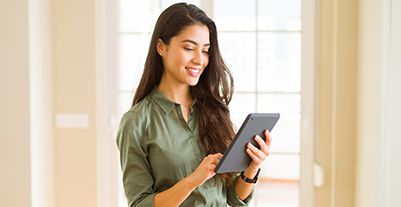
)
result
[(175, 195), (244, 189)]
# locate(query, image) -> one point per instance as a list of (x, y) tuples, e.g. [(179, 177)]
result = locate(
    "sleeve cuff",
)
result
[(147, 201)]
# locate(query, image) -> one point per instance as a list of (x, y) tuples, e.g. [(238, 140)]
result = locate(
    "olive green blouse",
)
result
[(158, 148)]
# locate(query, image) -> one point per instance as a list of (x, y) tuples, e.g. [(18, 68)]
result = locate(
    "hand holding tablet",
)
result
[(235, 159)]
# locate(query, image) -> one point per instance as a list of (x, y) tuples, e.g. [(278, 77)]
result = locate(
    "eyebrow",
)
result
[(195, 43)]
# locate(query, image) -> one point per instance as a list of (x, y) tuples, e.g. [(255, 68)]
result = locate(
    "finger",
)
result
[(219, 155), (216, 155), (214, 158), (212, 166), (268, 137), (256, 151), (215, 161), (253, 156), (262, 144)]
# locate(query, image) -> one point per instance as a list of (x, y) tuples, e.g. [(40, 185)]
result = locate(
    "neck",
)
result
[(179, 93)]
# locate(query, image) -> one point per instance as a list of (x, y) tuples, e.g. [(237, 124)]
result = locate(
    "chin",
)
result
[(193, 82)]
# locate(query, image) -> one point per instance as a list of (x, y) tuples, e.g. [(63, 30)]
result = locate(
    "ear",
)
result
[(161, 47)]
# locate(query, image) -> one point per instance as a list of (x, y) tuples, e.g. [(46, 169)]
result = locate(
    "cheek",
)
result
[(173, 60), (206, 61), (181, 58)]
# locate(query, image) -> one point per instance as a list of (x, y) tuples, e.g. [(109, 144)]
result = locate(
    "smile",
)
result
[(194, 71)]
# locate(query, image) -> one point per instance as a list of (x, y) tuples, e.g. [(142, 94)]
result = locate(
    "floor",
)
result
[(276, 194)]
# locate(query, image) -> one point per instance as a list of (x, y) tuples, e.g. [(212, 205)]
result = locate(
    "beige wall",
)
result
[(26, 116), (15, 174), (378, 169), (356, 96), (47, 66), (336, 102), (368, 191), (74, 92)]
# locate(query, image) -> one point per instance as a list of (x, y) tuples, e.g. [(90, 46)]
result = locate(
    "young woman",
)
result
[(172, 138)]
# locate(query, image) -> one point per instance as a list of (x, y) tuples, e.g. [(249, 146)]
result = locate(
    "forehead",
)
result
[(197, 33)]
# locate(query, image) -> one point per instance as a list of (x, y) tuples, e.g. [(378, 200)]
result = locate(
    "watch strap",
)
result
[(250, 180)]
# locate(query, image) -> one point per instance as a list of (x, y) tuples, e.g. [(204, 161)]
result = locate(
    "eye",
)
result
[(206, 52), (188, 49)]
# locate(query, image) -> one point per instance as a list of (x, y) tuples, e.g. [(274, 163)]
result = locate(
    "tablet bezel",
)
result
[(235, 158)]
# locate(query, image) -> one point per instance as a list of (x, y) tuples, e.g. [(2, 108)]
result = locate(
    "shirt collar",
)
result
[(165, 103)]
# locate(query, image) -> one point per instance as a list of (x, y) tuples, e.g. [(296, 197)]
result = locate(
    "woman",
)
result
[(172, 138)]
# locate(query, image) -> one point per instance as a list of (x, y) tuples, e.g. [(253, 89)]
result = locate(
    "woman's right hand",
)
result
[(206, 168), (176, 194)]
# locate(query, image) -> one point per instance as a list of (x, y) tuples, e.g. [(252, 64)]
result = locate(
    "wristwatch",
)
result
[(250, 180)]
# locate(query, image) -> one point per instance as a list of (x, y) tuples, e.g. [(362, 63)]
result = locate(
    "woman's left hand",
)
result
[(259, 155)]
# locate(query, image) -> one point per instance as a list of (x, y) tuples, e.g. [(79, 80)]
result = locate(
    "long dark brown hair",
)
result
[(215, 87)]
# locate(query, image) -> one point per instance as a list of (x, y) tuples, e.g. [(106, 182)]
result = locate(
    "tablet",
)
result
[(235, 158)]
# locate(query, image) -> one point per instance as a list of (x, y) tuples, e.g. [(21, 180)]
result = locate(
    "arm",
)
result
[(244, 189), (135, 167), (175, 195)]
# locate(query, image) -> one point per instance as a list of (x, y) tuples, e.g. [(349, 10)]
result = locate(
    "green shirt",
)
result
[(158, 148)]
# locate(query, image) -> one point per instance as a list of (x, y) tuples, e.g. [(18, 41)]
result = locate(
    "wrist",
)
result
[(247, 179), (191, 182), (251, 171)]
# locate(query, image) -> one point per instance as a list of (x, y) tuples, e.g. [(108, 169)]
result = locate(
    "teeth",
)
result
[(194, 71)]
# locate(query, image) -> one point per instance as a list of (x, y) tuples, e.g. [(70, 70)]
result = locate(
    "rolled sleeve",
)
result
[(136, 171), (232, 197)]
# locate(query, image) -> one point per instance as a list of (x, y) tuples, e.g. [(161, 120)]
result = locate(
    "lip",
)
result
[(193, 71)]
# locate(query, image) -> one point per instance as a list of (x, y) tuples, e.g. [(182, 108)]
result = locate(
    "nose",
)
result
[(199, 58)]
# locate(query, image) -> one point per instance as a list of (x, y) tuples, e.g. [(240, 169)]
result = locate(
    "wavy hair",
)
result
[(215, 87)]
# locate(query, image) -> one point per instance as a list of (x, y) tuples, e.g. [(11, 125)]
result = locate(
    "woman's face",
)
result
[(185, 58)]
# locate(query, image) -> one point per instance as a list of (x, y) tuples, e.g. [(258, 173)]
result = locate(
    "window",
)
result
[(260, 41)]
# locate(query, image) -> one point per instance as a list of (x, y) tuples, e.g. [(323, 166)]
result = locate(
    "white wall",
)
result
[(42, 154), (391, 102), (15, 178)]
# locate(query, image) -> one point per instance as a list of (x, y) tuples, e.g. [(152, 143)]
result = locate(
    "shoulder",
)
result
[(134, 125), (137, 118)]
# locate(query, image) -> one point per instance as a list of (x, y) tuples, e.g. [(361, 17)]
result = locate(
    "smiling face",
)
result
[(186, 56)]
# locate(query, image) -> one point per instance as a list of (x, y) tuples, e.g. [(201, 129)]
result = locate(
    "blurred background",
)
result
[(329, 67)]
